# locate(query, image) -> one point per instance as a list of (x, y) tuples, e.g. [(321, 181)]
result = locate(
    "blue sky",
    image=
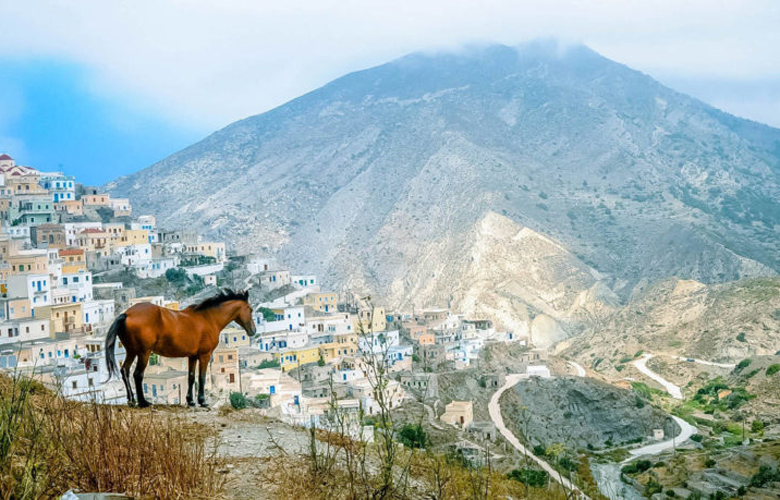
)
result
[(51, 119), (107, 88)]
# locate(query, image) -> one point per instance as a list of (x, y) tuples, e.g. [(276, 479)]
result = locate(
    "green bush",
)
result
[(568, 464), (176, 276), (237, 400), (710, 462), (643, 465), (628, 469), (269, 363), (412, 436), (772, 369), (268, 315), (531, 477), (743, 364), (540, 450), (766, 474), (652, 487), (757, 426), (697, 438), (741, 337)]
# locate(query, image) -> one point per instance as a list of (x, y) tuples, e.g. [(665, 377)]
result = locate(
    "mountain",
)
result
[(396, 180), (718, 322)]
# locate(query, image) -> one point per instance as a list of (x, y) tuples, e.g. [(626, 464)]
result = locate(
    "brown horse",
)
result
[(192, 333)]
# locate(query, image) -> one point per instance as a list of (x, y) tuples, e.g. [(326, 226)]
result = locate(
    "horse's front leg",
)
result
[(191, 379), (203, 365)]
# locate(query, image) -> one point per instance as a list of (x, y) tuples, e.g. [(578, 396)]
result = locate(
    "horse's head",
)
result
[(245, 318)]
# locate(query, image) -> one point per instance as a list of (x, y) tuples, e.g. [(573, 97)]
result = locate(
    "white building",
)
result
[(287, 318), (36, 287), (136, 256), (156, 267), (74, 229), (284, 339), (304, 281), (78, 285), (23, 330), (378, 342), (98, 313)]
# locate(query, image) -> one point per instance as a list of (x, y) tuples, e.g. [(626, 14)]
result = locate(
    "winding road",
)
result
[(578, 368), (495, 415), (686, 431), (730, 366), (641, 365)]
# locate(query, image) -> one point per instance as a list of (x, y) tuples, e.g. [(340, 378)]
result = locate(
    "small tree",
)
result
[(413, 436), (237, 400)]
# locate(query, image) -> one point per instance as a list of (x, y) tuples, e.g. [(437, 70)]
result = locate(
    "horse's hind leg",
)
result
[(138, 377), (125, 371)]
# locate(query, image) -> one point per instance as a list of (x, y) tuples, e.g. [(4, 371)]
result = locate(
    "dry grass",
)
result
[(49, 445), (431, 476)]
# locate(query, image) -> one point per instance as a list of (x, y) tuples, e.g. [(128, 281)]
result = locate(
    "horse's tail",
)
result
[(117, 328)]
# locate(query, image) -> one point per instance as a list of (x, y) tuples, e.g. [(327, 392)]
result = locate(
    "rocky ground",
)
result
[(580, 413)]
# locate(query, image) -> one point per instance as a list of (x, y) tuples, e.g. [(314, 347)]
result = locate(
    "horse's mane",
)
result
[(224, 296)]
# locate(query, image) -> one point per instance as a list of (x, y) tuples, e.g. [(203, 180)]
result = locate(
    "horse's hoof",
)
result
[(144, 404), (191, 404), (203, 404)]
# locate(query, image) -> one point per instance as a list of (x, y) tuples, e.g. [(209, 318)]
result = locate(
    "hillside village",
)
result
[(64, 244), (73, 258)]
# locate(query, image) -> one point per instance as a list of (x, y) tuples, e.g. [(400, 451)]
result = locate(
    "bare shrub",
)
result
[(49, 445)]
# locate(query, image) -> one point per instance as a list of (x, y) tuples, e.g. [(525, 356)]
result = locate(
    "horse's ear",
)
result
[(245, 293)]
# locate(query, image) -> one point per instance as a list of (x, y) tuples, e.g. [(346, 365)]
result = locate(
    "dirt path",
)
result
[(494, 409)]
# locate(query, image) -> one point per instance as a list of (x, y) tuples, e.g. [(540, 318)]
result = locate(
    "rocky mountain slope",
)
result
[(395, 180), (580, 412), (720, 322)]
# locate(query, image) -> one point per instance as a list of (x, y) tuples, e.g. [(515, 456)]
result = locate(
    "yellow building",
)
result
[(171, 304), (224, 369), (134, 237), (335, 350), (28, 263), (343, 338), (73, 260), (98, 200), (25, 184), (93, 239), (209, 249), (70, 207), (63, 317), (293, 358), (322, 301), (116, 231), (17, 308), (234, 337), (370, 320)]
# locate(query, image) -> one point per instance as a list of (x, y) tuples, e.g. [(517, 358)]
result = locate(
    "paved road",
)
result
[(641, 365), (686, 431), (579, 370), (495, 415), (708, 363)]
